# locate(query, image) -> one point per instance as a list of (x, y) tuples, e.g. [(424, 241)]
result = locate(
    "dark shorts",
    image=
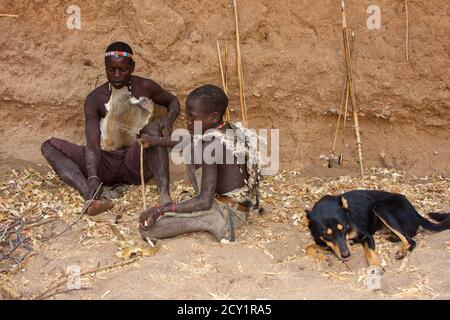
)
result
[(122, 166)]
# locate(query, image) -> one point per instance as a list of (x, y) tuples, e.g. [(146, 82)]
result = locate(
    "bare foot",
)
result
[(148, 218), (98, 206)]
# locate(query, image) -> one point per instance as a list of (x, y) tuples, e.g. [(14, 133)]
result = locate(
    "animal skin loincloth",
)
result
[(217, 205), (125, 117)]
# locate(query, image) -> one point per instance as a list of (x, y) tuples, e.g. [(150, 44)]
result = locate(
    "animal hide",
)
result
[(244, 143), (125, 117)]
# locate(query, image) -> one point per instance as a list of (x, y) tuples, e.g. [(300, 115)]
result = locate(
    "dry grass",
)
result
[(33, 196)]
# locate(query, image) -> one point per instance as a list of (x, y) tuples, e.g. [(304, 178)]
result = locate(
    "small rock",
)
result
[(333, 111), (386, 113), (195, 36)]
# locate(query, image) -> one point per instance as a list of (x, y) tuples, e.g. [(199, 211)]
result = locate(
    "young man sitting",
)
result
[(224, 187)]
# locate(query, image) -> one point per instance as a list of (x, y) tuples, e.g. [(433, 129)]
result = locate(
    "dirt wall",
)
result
[(293, 67)]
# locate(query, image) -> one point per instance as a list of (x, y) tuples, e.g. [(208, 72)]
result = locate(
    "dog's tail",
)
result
[(442, 218), (438, 216)]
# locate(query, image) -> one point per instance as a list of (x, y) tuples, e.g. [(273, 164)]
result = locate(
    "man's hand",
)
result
[(149, 217), (147, 141), (93, 184), (166, 125)]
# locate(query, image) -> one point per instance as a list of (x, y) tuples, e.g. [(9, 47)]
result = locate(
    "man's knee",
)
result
[(46, 147), (152, 129)]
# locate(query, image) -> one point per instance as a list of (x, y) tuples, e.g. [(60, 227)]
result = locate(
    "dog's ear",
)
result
[(308, 216), (343, 203)]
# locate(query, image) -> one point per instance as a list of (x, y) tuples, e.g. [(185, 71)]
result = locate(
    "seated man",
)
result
[(224, 190), (116, 112)]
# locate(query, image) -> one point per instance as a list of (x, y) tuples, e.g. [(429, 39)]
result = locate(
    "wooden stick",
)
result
[(226, 65), (351, 89), (239, 65), (144, 203), (347, 94), (83, 211), (344, 101), (243, 91), (55, 293), (344, 92), (6, 290), (54, 285), (9, 15), (62, 279), (222, 73), (221, 67), (407, 32), (228, 113)]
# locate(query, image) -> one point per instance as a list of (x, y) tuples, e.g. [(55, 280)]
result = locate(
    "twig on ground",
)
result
[(9, 15), (86, 207), (62, 279)]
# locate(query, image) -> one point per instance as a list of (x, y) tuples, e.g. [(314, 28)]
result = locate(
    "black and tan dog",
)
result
[(334, 218)]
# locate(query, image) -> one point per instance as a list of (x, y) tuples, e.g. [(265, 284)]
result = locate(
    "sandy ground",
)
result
[(268, 261)]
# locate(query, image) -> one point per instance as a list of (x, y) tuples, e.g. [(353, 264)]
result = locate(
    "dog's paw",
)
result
[(376, 269), (400, 254), (315, 252)]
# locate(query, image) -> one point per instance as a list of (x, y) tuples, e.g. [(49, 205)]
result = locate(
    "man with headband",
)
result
[(116, 113)]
